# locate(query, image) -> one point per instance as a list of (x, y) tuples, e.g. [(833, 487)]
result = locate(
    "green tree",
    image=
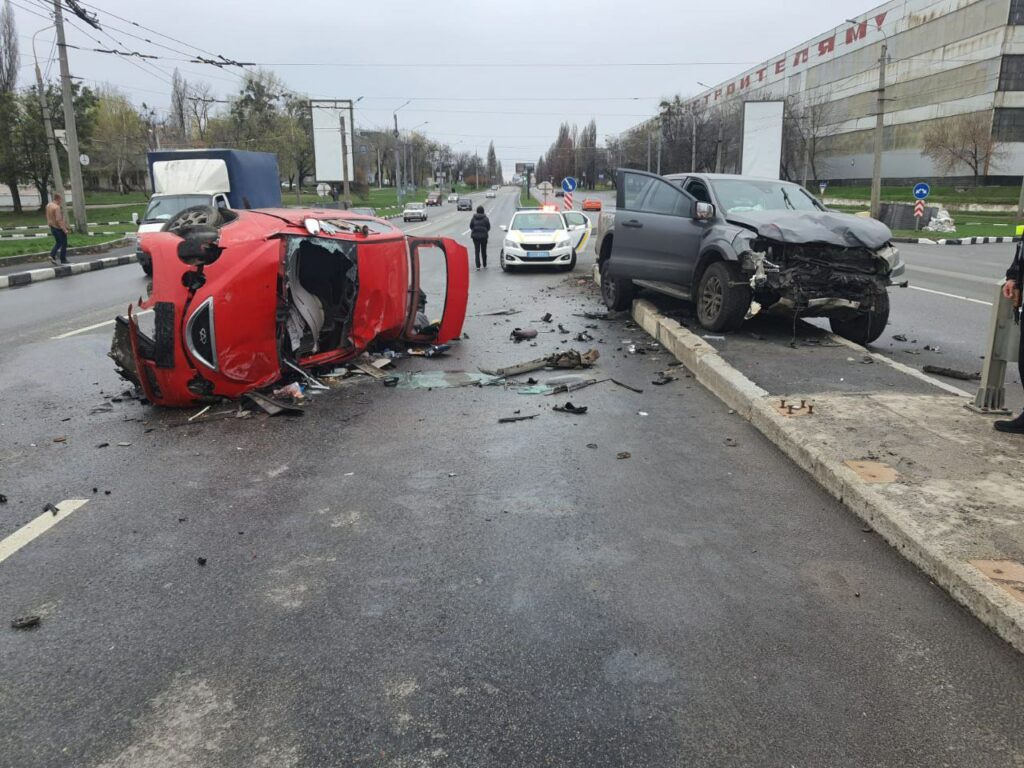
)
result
[(253, 113), (492, 164), (119, 137), (10, 159)]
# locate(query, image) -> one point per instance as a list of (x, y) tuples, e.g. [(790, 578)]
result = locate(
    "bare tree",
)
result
[(964, 140), (179, 117), (810, 122), (200, 100)]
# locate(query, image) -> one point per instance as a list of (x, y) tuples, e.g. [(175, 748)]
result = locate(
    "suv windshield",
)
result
[(414, 206), (162, 208), (738, 195), (542, 222)]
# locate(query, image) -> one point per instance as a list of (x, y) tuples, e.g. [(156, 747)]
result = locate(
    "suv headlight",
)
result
[(510, 243)]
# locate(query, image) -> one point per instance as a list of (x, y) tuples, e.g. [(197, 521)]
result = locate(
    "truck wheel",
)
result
[(722, 299), (572, 262), (616, 292), (864, 327)]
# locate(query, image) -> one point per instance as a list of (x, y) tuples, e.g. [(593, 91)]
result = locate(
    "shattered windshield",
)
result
[(163, 208), (537, 222), (740, 195)]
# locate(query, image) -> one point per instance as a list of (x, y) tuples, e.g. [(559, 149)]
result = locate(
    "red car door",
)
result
[(456, 259)]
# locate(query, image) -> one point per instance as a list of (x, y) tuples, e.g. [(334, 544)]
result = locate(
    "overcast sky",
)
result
[(511, 71)]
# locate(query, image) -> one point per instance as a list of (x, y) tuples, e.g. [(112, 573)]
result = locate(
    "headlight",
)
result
[(562, 244), (511, 243), (199, 335)]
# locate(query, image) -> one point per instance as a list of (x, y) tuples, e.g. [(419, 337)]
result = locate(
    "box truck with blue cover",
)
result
[(215, 178)]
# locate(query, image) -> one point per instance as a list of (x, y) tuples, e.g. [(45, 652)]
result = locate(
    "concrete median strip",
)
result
[(937, 482), (64, 270)]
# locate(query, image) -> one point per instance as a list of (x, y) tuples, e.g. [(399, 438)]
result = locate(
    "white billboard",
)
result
[(328, 119), (762, 138)]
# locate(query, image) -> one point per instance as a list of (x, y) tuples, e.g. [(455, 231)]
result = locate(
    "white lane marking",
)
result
[(38, 527), (902, 368), (951, 295), (467, 231), (94, 327), (954, 275)]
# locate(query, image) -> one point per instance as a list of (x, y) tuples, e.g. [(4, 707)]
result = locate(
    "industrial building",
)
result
[(946, 58)]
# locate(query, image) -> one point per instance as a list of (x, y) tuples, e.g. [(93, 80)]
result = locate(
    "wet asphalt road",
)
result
[(396, 579)]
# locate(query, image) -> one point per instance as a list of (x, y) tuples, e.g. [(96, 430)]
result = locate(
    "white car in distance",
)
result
[(414, 212)]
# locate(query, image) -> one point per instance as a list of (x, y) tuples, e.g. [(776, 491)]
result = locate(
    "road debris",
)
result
[(511, 419), (441, 380), (560, 389), (51, 509), (626, 386), (563, 329), (583, 336), (642, 413), (952, 373), (730, 442), (899, 337), (123, 445), (568, 359), (624, 455), (546, 318), (499, 313), (101, 408), (434, 350), (577, 410), (26, 622), (712, 337), (201, 561), (271, 406), (103, 445), (930, 348), (61, 439), (3, 499), (293, 391), (522, 334), (663, 379), (197, 415), (592, 446)]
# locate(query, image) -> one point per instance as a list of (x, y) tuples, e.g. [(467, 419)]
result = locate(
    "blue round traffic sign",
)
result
[(921, 191), (568, 184)]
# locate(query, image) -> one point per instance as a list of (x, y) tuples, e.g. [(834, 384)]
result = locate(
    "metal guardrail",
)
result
[(42, 235), (29, 227)]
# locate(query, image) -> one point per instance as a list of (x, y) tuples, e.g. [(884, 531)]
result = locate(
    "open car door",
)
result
[(456, 296), (579, 229)]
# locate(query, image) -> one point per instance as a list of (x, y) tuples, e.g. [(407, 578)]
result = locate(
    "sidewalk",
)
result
[(936, 481)]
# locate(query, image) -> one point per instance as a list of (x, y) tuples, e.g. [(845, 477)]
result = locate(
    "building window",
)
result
[(1017, 11), (1011, 74), (1008, 125)]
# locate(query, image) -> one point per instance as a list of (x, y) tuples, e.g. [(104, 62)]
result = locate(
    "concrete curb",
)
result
[(896, 525), (956, 241), (81, 250), (65, 270)]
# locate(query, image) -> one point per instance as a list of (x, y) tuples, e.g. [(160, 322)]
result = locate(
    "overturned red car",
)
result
[(241, 298)]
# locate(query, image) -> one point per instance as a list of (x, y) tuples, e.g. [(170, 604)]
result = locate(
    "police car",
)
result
[(543, 237)]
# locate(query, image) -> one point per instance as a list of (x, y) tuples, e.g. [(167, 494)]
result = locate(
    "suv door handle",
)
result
[(632, 224)]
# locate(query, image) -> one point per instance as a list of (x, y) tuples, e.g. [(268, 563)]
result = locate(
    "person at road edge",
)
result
[(58, 228), (1012, 291), (480, 227)]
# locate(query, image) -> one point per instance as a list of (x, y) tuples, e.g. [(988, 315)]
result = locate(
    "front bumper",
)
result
[(538, 257)]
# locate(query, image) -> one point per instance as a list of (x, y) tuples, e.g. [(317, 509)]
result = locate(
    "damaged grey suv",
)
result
[(734, 245)]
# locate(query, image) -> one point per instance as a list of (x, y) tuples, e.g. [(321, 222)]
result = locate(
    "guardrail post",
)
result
[(1002, 347)]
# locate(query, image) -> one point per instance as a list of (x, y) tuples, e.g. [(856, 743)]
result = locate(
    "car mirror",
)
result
[(312, 226), (504, 228), (703, 211), (135, 217), (198, 246)]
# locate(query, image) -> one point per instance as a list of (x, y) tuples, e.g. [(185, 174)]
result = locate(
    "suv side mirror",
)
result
[(703, 211)]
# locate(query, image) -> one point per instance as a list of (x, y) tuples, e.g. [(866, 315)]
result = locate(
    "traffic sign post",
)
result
[(545, 188), (921, 191), (919, 212), (822, 186), (568, 187)]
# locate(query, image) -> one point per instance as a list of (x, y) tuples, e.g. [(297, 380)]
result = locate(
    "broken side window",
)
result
[(321, 288)]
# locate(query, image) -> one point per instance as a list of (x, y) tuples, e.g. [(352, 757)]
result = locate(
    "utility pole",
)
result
[(693, 144), (721, 139), (648, 151), (876, 173), (75, 166), (659, 148), (398, 162), (344, 164), (51, 145)]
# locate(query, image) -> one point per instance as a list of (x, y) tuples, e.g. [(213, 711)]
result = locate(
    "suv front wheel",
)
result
[(722, 297), (616, 292)]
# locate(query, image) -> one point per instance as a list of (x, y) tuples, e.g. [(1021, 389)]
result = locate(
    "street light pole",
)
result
[(876, 171), (74, 164), (51, 144), (398, 155)]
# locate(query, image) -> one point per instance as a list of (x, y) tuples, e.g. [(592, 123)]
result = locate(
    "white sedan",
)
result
[(414, 212), (542, 237)]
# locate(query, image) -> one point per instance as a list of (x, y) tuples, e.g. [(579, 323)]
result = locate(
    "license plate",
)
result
[(538, 254)]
